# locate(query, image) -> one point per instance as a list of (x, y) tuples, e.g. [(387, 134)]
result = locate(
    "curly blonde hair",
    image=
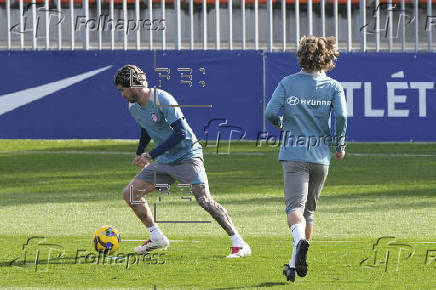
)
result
[(317, 53)]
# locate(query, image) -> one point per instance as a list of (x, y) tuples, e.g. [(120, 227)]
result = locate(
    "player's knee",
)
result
[(126, 194), (129, 196), (130, 193), (199, 189), (295, 210), (295, 206), (132, 199), (202, 196)]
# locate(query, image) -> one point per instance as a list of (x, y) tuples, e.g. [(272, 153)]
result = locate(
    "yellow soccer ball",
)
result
[(107, 240)]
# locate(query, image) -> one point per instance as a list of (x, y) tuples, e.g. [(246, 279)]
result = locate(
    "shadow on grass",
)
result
[(58, 178), (261, 285), (106, 193), (270, 284), (379, 201), (370, 202), (382, 194)]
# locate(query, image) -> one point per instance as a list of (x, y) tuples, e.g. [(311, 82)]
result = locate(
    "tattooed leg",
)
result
[(205, 200)]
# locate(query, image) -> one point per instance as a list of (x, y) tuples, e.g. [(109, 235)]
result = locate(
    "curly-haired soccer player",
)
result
[(177, 156), (307, 99)]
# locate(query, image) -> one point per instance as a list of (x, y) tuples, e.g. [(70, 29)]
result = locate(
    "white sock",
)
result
[(292, 261), (155, 232), (298, 232), (237, 240)]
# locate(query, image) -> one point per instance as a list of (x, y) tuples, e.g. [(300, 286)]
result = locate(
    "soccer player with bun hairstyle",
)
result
[(177, 156), (307, 98)]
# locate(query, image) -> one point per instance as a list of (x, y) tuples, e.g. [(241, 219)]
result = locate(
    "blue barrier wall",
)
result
[(391, 97), (72, 94)]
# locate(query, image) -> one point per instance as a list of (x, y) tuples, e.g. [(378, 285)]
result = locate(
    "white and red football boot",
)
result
[(151, 245), (238, 252)]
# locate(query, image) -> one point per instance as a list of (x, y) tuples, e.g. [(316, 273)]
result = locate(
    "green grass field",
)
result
[(60, 192)]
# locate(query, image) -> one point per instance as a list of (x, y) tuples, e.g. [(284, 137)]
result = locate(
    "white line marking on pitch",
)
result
[(208, 153), (369, 241), (391, 154), (67, 152), (174, 241), (118, 152), (338, 242), (421, 242)]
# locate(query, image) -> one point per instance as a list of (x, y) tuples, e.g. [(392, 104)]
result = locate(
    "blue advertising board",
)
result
[(390, 96), (71, 94)]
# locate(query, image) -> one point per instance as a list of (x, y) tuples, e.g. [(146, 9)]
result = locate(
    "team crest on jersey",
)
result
[(154, 117)]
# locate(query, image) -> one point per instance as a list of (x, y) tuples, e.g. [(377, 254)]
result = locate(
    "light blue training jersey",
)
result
[(307, 100), (156, 118)]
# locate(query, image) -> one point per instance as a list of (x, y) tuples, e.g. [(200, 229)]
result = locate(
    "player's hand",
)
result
[(146, 158), (340, 155), (139, 162)]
